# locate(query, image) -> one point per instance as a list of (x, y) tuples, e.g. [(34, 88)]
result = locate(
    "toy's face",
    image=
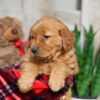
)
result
[(11, 29), (11, 34)]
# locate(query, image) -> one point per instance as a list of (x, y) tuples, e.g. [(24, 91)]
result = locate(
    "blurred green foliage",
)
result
[(88, 80)]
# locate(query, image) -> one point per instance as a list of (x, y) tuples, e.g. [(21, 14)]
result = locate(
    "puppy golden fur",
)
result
[(54, 55)]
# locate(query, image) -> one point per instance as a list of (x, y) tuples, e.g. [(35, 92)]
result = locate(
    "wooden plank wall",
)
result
[(91, 16), (69, 11), (28, 11)]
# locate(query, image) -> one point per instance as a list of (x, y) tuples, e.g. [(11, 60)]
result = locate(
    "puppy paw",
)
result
[(56, 85), (25, 85)]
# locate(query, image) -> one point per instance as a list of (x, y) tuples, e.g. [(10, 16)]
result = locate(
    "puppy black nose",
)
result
[(34, 50)]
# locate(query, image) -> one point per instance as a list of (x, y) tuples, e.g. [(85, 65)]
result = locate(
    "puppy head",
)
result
[(48, 36)]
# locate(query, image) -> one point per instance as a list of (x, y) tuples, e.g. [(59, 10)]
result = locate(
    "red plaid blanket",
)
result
[(10, 91)]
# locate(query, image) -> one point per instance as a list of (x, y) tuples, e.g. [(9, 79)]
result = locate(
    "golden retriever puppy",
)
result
[(50, 51)]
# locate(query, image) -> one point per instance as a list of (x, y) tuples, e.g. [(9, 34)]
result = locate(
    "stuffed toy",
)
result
[(11, 34)]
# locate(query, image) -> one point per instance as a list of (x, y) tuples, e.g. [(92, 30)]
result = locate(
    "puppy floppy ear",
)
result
[(67, 39)]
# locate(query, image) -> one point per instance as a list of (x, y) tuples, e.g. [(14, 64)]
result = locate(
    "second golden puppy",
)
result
[(50, 51)]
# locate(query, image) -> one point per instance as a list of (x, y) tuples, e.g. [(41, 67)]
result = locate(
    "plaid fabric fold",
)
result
[(9, 89)]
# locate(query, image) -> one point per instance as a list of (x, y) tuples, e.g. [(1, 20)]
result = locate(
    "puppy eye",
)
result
[(32, 37), (46, 36)]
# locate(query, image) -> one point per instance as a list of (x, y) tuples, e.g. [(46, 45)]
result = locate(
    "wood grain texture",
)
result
[(28, 11), (91, 16)]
